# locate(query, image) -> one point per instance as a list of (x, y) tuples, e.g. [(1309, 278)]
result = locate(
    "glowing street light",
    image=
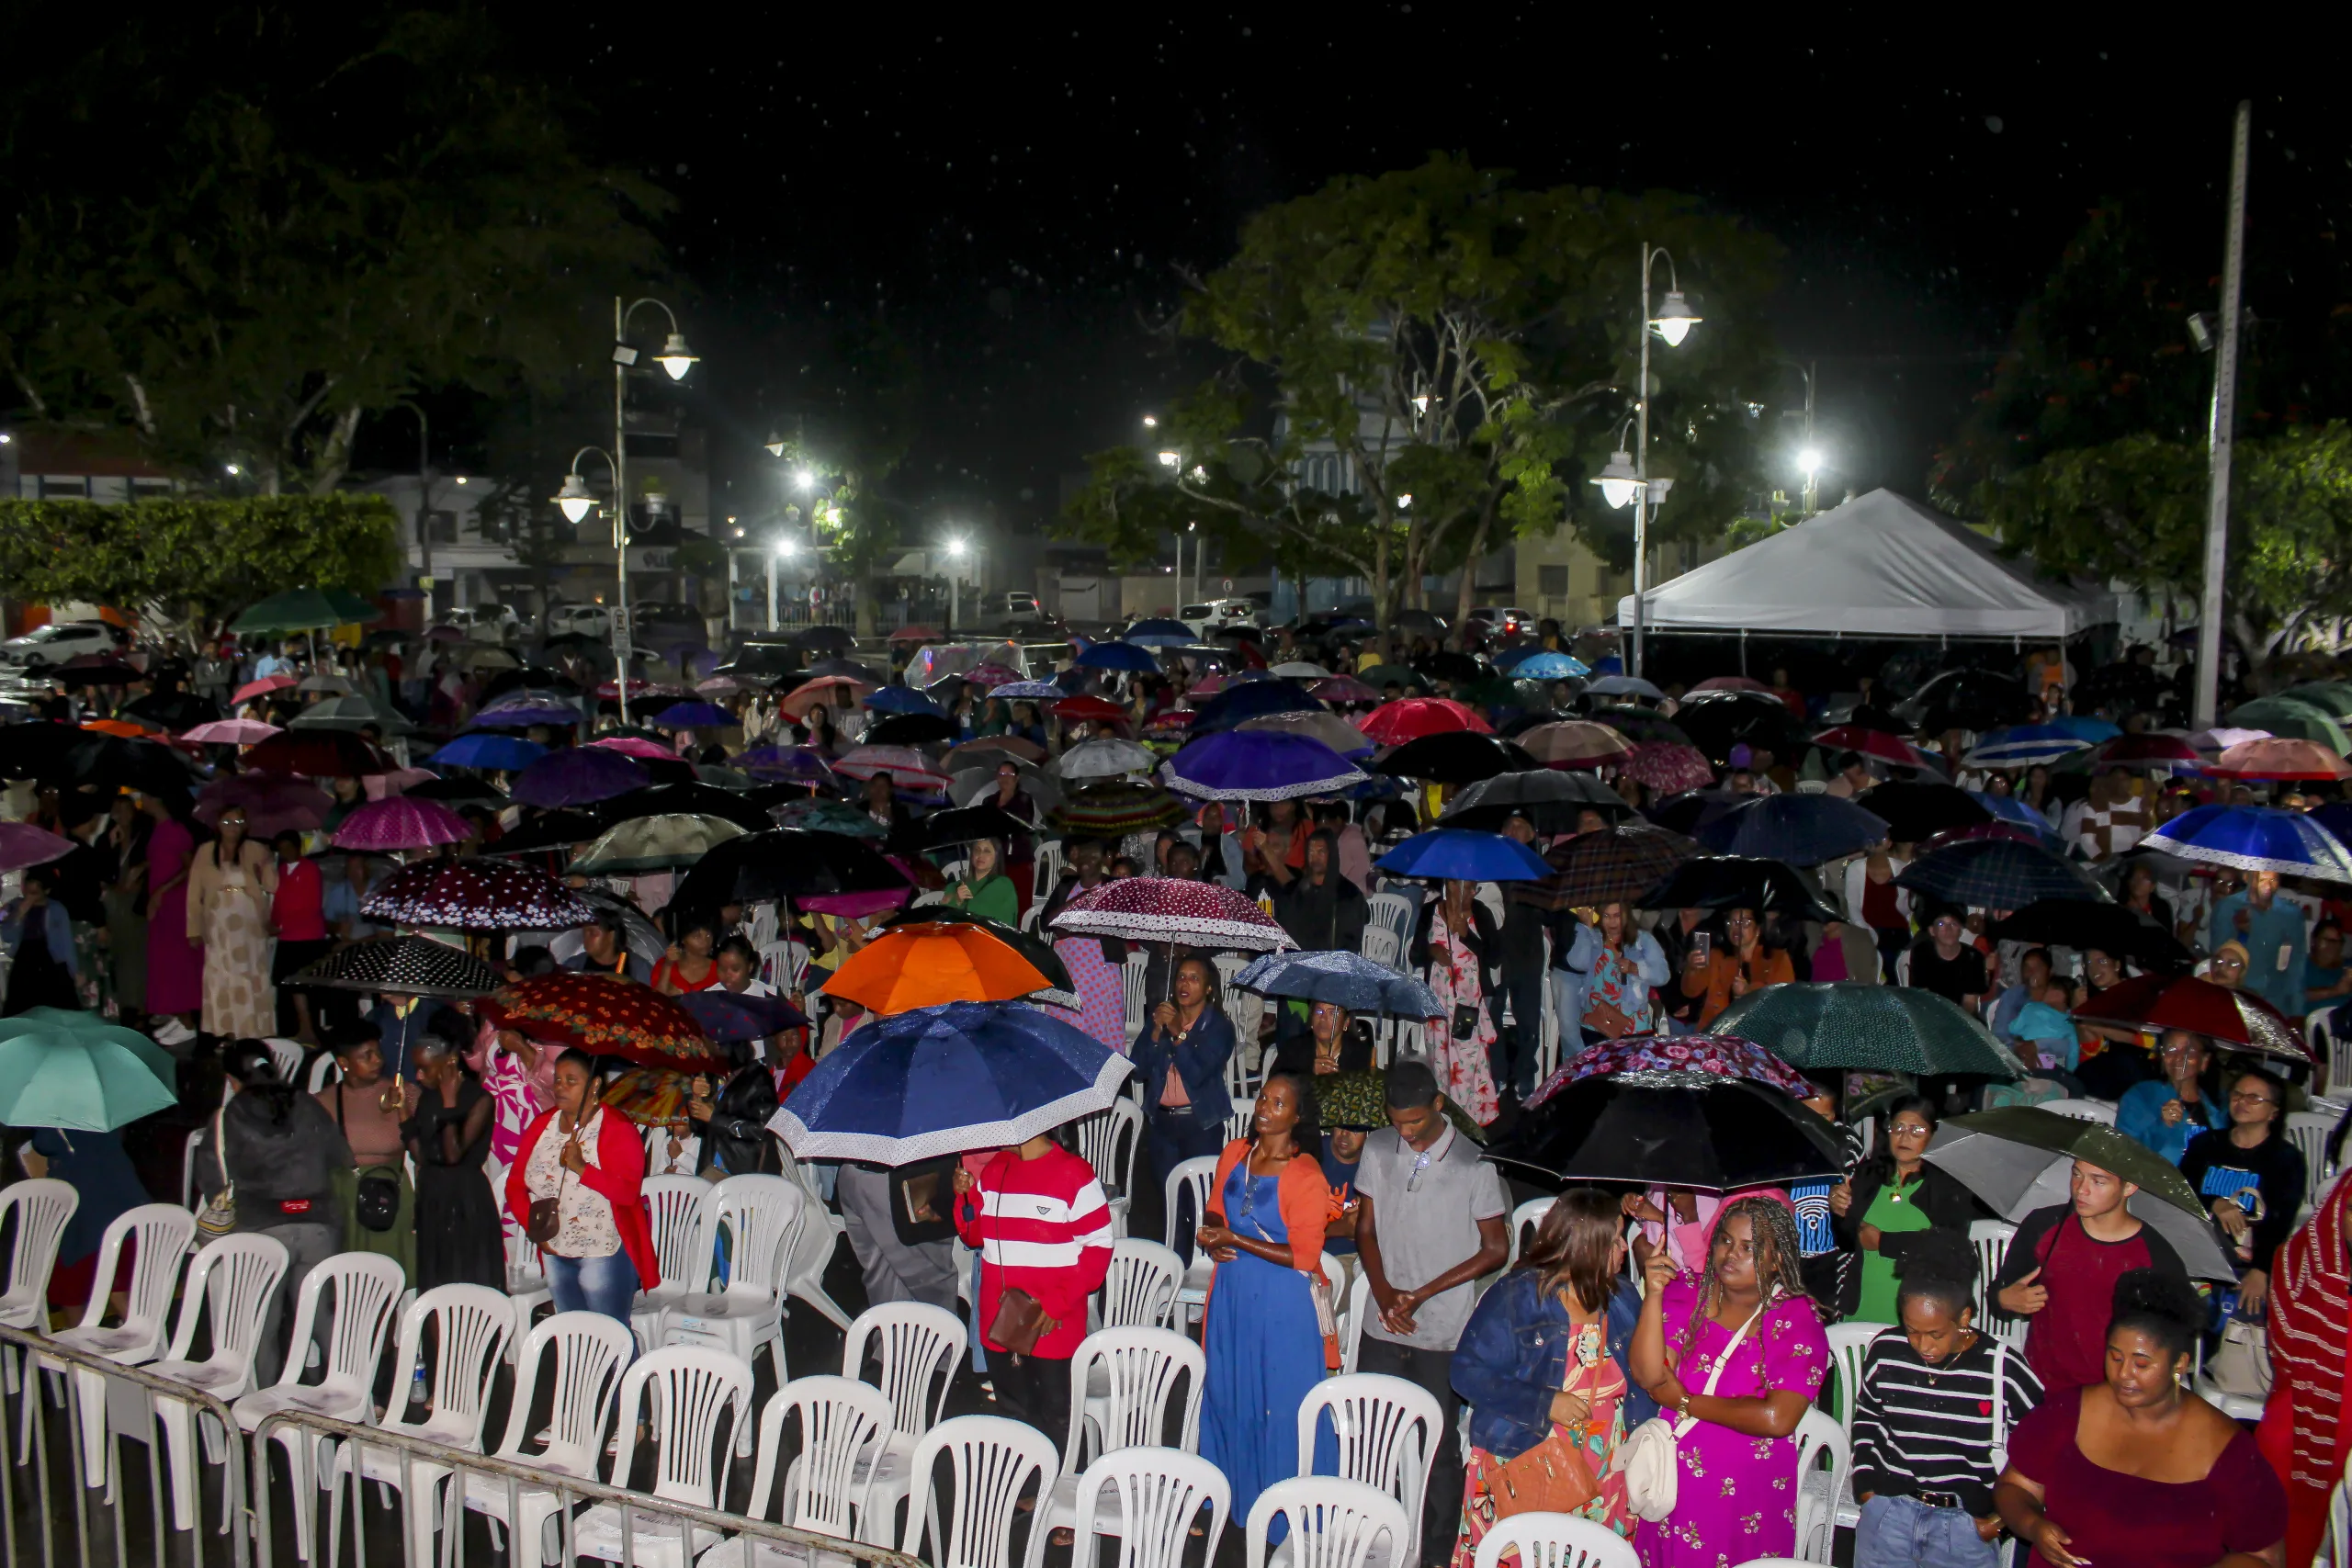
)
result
[(1673, 322), (1618, 478), (1675, 318), (1171, 459), (676, 357), (774, 444), (574, 498), (804, 482), (1152, 422)]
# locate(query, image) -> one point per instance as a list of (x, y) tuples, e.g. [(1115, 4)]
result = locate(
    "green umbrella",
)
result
[(2293, 718), (1893, 1029), (1360, 1100), (81, 1077), (1380, 675), (351, 609), (304, 610), (829, 817), (2020, 1158)]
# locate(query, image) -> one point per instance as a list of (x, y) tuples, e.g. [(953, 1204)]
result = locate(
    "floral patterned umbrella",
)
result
[(1718, 1055), (477, 893), (399, 822), (1162, 909), (1668, 768), (606, 1016)]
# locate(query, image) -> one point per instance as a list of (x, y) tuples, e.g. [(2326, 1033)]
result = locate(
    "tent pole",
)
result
[(2224, 425)]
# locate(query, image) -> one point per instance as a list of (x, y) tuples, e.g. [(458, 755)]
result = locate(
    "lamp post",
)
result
[(1673, 323), (575, 501), (2221, 435), (786, 548), (424, 502), (956, 548), (676, 359)]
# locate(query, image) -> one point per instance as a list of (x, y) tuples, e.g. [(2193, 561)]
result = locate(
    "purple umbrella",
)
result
[(399, 822), (22, 844), (579, 778), (728, 1016), (797, 762), (1258, 765), (525, 712), (694, 715), (271, 803)]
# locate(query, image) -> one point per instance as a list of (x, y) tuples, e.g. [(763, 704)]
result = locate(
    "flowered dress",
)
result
[(1593, 1373), (1737, 1497), (1102, 990), (515, 1102), (1460, 1065), (1617, 980)]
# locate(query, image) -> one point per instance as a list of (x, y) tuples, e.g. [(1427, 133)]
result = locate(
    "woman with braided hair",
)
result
[(1739, 1351)]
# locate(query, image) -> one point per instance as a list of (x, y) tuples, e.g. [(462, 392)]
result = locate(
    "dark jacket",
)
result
[(1948, 1205), (2029, 1247), (736, 1140), (2218, 1169), (1514, 1357), (1200, 1063), (1328, 919), (1295, 1052), (1481, 938), (282, 1169)]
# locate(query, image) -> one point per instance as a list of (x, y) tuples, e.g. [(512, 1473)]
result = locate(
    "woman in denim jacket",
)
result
[(1546, 1351)]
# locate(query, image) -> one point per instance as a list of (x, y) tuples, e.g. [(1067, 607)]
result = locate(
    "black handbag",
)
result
[(375, 1192), (1465, 1020)]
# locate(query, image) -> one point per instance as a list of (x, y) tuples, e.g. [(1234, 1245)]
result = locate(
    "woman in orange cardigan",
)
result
[(594, 1170), (1264, 1228), (1723, 975)]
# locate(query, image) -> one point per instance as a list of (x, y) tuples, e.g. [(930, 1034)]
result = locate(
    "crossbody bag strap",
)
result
[(220, 1147), (1715, 1374)]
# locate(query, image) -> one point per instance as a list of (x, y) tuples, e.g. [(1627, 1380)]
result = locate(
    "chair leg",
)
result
[(178, 1458), (89, 1392)]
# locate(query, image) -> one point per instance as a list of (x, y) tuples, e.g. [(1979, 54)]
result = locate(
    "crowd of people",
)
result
[(1636, 1318)]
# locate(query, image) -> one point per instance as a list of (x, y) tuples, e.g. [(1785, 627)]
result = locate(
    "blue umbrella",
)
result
[(1252, 699), (1997, 874), (733, 1017), (1802, 829), (940, 1081), (1258, 765), (1351, 979), (2023, 745), (504, 751), (1029, 691), (1612, 685), (1162, 633), (2009, 808), (2256, 838), (900, 699), (695, 715), (2093, 730), (1125, 657), (2335, 816), (521, 713), (1458, 854), (1547, 667)]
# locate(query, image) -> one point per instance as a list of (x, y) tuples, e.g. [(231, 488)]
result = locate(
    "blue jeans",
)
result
[(1904, 1533), (606, 1285)]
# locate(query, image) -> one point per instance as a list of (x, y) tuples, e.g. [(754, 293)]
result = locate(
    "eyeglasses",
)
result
[(1903, 1132), (2255, 1098)]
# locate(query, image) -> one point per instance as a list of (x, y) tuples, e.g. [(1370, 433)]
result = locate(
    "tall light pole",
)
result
[(424, 502), (677, 359), (2224, 426), (575, 501), (956, 547), (1673, 323), (786, 548)]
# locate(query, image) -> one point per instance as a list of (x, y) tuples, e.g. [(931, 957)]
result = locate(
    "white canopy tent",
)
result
[(1877, 566)]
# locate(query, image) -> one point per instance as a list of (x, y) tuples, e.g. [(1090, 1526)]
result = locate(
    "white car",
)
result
[(1508, 620), (1207, 619), (485, 622), (56, 643), (582, 620)]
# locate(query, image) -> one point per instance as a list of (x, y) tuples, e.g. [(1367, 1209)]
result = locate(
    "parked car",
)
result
[(665, 624), (1508, 620), (1009, 609), (56, 643), (1207, 620), (577, 620), (486, 623)]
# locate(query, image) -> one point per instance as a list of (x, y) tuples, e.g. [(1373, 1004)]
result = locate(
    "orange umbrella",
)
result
[(921, 966), (833, 691)]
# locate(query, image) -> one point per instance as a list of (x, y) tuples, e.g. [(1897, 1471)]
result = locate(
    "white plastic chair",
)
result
[(588, 1351), (1139, 1290), (286, 1056), (43, 1208), (471, 1328), (699, 1395), (761, 1216), (526, 1288), (2308, 1132), (1108, 1141), (679, 1207), (915, 1345), (2335, 1550), (1359, 1310), (1333, 1524), (1237, 1122), (1131, 975), (843, 1424), (2082, 1110), (366, 1287), (1525, 1221), (1820, 1484), (1388, 1430), (1149, 1499), (1554, 1541), (1194, 1176), (229, 1286), (1991, 1239), (1849, 1346), (159, 1234), (322, 1073), (1380, 945), (812, 1249), (991, 1461), (1393, 913), (1122, 1384)]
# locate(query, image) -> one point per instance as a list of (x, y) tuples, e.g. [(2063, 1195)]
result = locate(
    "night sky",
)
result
[(1017, 200)]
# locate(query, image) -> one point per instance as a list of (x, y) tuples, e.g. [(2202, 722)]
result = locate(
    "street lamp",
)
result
[(1809, 460), (804, 482), (774, 444), (1672, 321), (786, 548), (677, 359), (955, 579), (1618, 477)]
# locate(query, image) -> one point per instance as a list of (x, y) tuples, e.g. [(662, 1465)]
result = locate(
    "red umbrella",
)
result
[(318, 753), (1162, 909), (2280, 757), (833, 691), (402, 822), (478, 893), (1096, 710), (1876, 743), (1341, 689), (2157, 1003), (916, 634), (1409, 718), (2138, 750), (606, 1016), (1668, 768), (260, 688)]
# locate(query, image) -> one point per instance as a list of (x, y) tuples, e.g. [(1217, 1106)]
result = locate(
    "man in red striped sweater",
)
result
[(1037, 1217)]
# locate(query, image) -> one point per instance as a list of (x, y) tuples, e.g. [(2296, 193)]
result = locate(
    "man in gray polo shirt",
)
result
[(1433, 1219)]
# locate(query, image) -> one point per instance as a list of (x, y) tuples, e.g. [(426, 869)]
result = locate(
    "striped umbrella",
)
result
[(2024, 745), (1113, 810)]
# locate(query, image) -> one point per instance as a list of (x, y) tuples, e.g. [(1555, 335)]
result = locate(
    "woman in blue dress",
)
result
[(1265, 1351)]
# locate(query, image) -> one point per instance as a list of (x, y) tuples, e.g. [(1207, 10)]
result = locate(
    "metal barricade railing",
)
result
[(36, 1481)]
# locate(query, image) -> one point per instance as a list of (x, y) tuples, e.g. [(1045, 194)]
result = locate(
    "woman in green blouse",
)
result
[(985, 888)]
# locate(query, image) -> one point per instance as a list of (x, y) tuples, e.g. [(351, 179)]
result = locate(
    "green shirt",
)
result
[(993, 899)]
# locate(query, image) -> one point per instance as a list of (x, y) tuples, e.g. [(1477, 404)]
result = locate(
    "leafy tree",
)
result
[(1468, 349), (202, 557), (238, 233)]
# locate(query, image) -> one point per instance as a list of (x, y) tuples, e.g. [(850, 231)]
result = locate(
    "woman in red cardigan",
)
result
[(594, 1168)]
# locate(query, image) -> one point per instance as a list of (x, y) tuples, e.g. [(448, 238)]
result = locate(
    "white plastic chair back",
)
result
[(1991, 1239), (286, 1056), (1048, 872), (470, 1323), (1244, 1111), (1149, 1499), (1393, 913), (913, 1341), (2335, 1550), (1144, 1371), (761, 1214), (229, 1285), (587, 1350), (1825, 1460), (1388, 1430), (1525, 1221), (1194, 1176), (1108, 1140), (367, 1288), (1380, 945), (1849, 1345), (1359, 1310), (1333, 1524), (41, 1207), (323, 1072), (2082, 1110), (160, 1233), (2308, 1130), (844, 1424), (1554, 1541), (678, 1207), (1131, 975), (991, 1461), (1139, 1291), (696, 1388)]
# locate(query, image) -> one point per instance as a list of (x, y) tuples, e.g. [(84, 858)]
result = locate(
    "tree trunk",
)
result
[(1469, 588)]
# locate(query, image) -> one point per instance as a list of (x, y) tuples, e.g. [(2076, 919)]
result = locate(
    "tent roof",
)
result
[(1877, 566)]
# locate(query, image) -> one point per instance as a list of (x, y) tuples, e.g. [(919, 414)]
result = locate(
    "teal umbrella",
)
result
[(76, 1072), (1893, 1029), (304, 610)]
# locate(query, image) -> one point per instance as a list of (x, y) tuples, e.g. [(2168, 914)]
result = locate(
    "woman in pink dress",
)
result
[(174, 969), (1102, 989), (1455, 971), (519, 1077)]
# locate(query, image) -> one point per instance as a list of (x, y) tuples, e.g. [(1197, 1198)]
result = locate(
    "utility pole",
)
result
[(2225, 424)]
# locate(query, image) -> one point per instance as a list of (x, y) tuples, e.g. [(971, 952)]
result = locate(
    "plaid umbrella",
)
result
[(654, 843), (2222, 1013), (1892, 1029), (1409, 718), (1114, 810), (1802, 830), (1359, 1100), (1720, 1054), (605, 1017), (1996, 874), (1662, 765), (1162, 909), (579, 778), (401, 822), (1575, 743), (403, 966), (271, 803), (1915, 813), (1614, 865), (475, 894)]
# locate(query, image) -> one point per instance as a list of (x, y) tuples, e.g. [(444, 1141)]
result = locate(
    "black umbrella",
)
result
[(1966, 699), (1036, 950), (1455, 757), (1671, 1129), (39, 750), (785, 862), (457, 789), (1448, 665), (1917, 812), (827, 640), (686, 800), (1551, 798), (911, 730), (101, 670), (2080, 924), (108, 761), (549, 830), (848, 667), (1693, 809), (175, 711), (966, 823), (1638, 723), (1737, 882), (403, 966), (1716, 721)]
